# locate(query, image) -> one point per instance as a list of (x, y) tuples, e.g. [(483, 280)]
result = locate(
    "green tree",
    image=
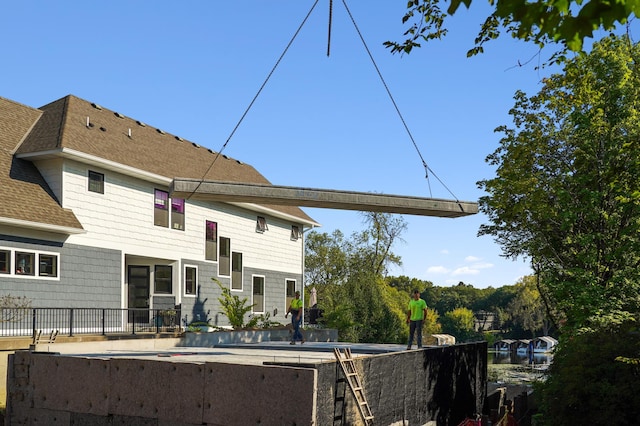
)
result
[(325, 258), (545, 21), (566, 192), (589, 382), (407, 285), (431, 322), (371, 248), (566, 195), (458, 323), (354, 296), (361, 311), (526, 308)]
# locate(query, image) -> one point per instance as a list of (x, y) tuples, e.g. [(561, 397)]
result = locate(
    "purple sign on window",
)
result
[(161, 198), (177, 205)]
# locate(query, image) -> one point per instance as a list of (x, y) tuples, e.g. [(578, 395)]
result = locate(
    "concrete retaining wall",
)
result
[(56, 390), (439, 386), (435, 386)]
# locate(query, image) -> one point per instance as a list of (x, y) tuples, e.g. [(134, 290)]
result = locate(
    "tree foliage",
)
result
[(589, 382), (526, 309), (325, 258), (372, 247), (349, 277), (567, 23), (566, 189), (458, 323)]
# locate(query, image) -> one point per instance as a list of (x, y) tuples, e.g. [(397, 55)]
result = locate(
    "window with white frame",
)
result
[(47, 265), (291, 292), (224, 265), (258, 294), (96, 182), (190, 281), (5, 261), (236, 271), (177, 213), (163, 279), (211, 240), (161, 208), (26, 263), (261, 224)]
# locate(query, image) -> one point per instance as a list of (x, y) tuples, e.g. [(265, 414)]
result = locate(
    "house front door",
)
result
[(138, 293)]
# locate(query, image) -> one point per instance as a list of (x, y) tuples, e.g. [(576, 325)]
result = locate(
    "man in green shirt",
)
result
[(416, 314), (295, 309)]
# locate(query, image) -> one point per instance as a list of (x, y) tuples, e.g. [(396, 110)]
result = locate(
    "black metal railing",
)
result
[(20, 322)]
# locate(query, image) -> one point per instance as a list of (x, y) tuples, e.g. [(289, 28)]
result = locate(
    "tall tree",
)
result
[(372, 247), (349, 275), (325, 258), (527, 310), (566, 192)]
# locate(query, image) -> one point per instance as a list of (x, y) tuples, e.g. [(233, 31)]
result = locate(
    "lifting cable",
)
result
[(254, 99), (427, 169), (424, 164)]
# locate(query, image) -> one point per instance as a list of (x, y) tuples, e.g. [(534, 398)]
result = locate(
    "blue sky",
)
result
[(193, 68)]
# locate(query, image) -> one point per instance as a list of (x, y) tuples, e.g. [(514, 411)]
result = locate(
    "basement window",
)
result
[(261, 224)]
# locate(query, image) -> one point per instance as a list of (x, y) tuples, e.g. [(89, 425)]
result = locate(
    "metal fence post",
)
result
[(104, 331), (70, 322), (33, 324)]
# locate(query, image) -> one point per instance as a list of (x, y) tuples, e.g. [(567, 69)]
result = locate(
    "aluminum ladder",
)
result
[(353, 380)]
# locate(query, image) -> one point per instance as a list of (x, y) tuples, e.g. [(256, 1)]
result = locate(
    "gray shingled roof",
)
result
[(24, 193), (123, 140)]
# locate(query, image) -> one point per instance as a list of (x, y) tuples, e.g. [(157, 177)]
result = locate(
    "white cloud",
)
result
[(437, 270), (465, 270), (482, 265), (444, 251), (471, 259)]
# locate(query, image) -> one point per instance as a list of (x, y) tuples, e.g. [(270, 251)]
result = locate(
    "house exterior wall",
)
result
[(88, 276), (120, 232), (51, 171)]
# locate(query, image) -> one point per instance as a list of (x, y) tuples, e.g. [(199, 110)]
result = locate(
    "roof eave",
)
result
[(82, 157)]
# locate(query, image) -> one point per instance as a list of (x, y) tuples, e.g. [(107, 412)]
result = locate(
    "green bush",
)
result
[(594, 379), (235, 308)]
